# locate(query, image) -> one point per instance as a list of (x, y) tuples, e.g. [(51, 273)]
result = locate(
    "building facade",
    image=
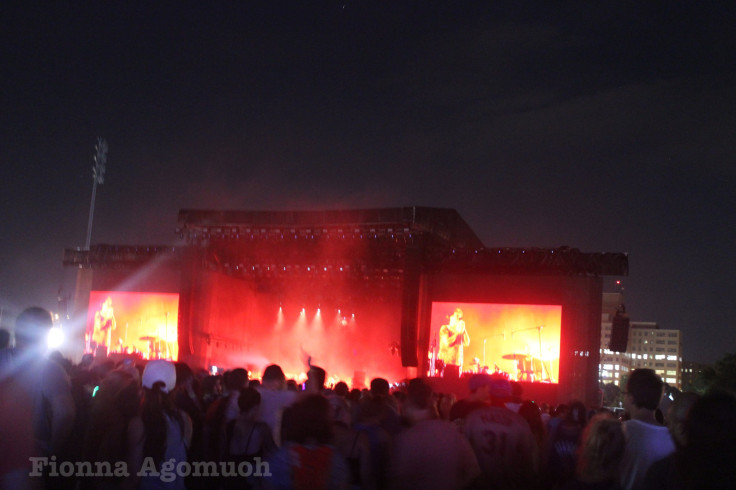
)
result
[(649, 347), (691, 372), (657, 348)]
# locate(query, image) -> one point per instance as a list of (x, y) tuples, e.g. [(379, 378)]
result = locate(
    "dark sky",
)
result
[(605, 126)]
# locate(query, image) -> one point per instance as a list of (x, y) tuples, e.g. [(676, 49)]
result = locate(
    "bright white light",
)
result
[(280, 317), (55, 338)]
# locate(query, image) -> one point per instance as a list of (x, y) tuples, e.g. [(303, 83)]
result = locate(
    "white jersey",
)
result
[(504, 445), (432, 454)]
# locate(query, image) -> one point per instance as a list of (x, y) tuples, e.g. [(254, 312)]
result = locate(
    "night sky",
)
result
[(604, 126)]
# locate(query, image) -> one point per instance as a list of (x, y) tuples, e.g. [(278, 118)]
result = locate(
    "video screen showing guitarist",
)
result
[(453, 337), (104, 324)]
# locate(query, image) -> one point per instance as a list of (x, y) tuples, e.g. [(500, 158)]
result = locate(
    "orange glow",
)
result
[(143, 323), (522, 341)]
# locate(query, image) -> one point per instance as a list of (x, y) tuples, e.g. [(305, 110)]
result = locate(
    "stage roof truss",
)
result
[(370, 244)]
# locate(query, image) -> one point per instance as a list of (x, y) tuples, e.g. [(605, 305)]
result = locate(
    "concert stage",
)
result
[(364, 293)]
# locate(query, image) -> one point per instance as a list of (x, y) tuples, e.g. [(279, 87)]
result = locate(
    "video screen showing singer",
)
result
[(452, 338), (520, 340)]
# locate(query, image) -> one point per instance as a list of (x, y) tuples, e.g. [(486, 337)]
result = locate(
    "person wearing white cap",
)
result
[(161, 432), (159, 371)]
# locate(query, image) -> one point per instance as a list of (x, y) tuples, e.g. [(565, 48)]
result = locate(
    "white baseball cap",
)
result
[(159, 370)]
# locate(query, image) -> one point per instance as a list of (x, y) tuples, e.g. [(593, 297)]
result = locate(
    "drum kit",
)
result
[(157, 348), (531, 368), (528, 368)]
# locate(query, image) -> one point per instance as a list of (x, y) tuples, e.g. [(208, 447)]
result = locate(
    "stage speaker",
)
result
[(410, 311), (619, 332), (451, 371)]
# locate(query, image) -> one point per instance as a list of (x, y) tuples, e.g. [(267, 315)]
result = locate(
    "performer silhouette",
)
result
[(104, 324), (453, 337)]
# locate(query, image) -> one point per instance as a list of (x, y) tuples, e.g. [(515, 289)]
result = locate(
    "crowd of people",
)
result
[(117, 425)]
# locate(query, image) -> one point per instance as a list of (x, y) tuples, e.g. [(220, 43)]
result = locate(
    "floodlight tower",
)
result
[(98, 177)]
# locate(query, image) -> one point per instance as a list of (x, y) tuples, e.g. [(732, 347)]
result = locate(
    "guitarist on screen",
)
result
[(453, 337), (104, 324)]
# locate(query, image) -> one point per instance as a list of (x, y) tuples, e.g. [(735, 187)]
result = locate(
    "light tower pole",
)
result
[(98, 177)]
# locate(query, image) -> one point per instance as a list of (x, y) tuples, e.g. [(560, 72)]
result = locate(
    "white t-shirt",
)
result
[(645, 444), (273, 403)]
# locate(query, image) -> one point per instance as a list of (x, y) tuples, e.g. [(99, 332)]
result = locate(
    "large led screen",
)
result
[(134, 323), (522, 341)]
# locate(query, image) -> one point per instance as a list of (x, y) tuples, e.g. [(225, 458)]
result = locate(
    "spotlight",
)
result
[(54, 338), (280, 317)]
